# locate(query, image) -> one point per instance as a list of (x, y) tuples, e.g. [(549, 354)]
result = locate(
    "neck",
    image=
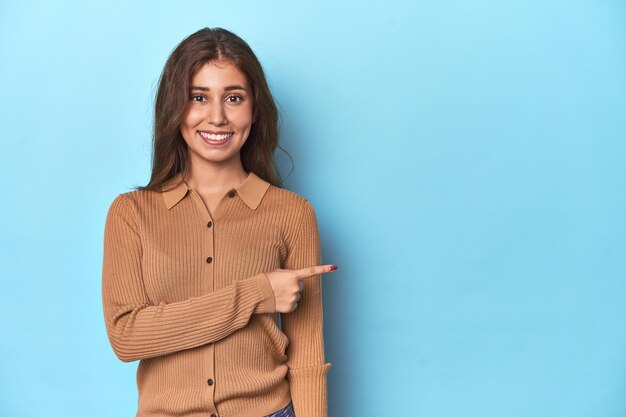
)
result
[(215, 178)]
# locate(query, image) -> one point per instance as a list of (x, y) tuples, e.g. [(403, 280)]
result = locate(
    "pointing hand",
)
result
[(287, 285)]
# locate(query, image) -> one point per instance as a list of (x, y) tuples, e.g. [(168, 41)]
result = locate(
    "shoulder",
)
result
[(288, 201), (294, 210), (140, 198), (130, 203), (125, 199)]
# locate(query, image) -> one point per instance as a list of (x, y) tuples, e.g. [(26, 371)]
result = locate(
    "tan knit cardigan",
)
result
[(184, 292)]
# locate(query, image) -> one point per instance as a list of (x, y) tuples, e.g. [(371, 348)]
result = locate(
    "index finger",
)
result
[(314, 270)]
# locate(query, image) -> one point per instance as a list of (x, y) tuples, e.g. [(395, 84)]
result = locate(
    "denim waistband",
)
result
[(286, 411)]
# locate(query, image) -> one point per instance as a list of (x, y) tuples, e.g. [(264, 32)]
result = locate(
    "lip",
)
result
[(215, 132), (215, 142)]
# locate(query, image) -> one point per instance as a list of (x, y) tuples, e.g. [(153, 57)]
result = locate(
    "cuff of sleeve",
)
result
[(268, 301), (308, 390)]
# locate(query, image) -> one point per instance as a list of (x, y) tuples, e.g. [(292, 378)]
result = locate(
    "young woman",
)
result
[(199, 263)]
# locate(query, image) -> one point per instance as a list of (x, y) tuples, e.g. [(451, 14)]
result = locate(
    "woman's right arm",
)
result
[(138, 329)]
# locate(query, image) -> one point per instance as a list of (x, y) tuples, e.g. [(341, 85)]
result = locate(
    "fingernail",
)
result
[(333, 267)]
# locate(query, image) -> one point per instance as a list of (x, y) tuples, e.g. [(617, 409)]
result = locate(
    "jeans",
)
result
[(287, 411)]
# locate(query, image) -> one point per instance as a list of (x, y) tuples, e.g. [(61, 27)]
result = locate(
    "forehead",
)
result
[(219, 74)]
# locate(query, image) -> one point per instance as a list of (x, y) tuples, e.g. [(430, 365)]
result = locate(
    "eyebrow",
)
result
[(229, 88)]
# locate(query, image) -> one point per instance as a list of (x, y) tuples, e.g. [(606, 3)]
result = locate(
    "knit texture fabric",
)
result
[(184, 292)]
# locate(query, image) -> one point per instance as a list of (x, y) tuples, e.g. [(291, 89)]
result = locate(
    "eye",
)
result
[(237, 98), (197, 96)]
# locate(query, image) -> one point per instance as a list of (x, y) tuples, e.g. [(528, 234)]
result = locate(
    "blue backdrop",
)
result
[(466, 160)]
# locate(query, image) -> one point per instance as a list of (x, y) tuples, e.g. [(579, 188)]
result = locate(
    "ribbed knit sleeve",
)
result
[(304, 326), (136, 328)]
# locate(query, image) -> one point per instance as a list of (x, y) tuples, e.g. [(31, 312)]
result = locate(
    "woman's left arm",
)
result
[(304, 326)]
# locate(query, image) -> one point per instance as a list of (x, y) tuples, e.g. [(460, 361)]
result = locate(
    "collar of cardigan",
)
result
[(251, 190)]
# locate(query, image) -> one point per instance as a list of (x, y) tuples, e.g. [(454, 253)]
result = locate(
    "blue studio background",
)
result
[(466, 160)]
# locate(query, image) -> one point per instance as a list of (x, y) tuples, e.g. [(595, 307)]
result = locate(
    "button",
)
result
[(209, 381), (209, 224), (209, 260), (232, 193)]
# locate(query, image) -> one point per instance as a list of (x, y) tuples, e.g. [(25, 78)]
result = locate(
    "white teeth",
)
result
[(215, 137)]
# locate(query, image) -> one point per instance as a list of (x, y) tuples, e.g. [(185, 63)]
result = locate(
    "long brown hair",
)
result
[(169, 150)]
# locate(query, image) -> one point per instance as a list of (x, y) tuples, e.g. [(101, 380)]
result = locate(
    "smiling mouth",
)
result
[(215, 137)]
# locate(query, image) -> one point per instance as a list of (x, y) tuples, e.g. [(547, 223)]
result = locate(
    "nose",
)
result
[(216, 114)]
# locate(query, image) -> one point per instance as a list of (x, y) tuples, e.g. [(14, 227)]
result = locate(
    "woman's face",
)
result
[(219, 116)]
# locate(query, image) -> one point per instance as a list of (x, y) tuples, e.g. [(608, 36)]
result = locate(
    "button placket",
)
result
[(210, 276), (209, 251)]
